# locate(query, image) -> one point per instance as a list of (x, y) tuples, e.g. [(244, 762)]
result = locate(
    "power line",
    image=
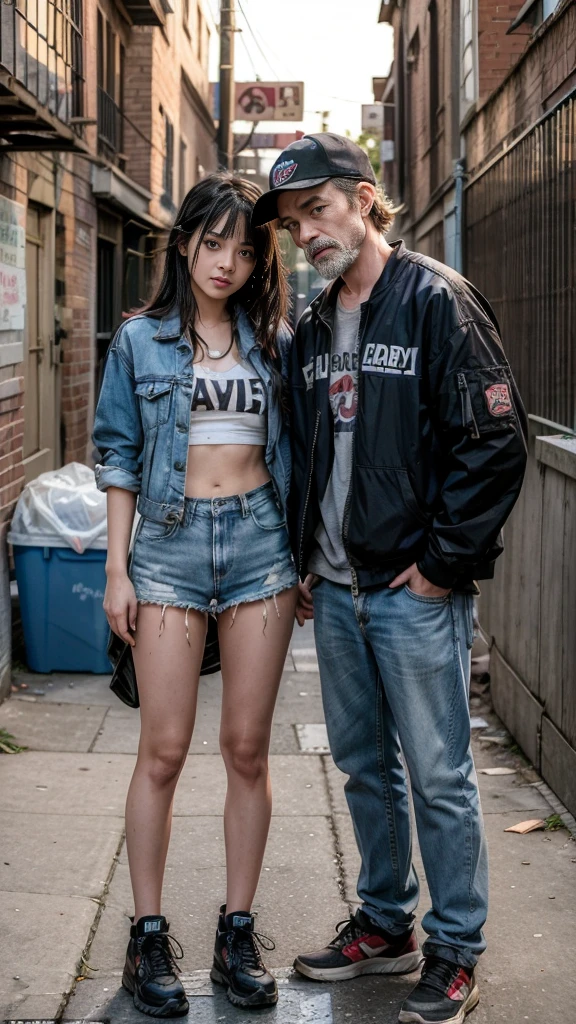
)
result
[(249, 55), (251, 30)]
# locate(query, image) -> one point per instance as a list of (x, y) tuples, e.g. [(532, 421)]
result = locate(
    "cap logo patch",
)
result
[(498, 399), (283, 172)]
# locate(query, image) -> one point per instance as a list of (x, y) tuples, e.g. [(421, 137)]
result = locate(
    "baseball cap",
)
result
[(311, 161)]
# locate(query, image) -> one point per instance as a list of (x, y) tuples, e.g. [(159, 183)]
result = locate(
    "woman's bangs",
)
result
[(238, 210)]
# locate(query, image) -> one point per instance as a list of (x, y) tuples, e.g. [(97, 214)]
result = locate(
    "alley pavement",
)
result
[(64, 884)]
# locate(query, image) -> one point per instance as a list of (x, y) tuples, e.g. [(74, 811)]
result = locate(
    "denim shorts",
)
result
[(225, 552)]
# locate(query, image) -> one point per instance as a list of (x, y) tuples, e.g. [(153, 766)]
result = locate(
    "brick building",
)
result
[(104, 124), (449, 58)]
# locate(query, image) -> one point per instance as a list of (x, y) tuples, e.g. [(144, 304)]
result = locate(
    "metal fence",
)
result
[(520, 250)]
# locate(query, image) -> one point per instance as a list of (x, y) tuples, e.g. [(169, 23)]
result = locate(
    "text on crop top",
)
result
[(228, 406)]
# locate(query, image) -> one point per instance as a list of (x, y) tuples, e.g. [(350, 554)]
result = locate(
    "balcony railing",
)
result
[(41, 47), (110, 122)]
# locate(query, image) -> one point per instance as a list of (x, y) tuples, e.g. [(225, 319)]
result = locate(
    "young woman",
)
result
[(190, 419)]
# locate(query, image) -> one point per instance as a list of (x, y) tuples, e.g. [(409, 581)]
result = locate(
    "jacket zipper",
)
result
[(468, 418), (308, 489)]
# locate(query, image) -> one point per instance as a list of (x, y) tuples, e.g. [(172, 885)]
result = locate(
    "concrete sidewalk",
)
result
[(64, 884)]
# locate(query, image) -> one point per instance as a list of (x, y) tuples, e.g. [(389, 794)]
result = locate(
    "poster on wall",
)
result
[(12, 265)]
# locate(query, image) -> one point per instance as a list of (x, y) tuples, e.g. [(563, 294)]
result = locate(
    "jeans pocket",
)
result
[(423, 599), (268, 515), (152, 531)]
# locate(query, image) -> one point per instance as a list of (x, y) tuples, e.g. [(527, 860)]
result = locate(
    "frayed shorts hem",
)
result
[(211, 609)]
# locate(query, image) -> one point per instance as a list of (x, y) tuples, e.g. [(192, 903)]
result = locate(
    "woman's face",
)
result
[(224, 264)]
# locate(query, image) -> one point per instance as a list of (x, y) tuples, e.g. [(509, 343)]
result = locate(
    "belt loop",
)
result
[(244, 505)]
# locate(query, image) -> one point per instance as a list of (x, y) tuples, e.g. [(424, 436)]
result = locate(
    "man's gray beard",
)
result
[(334, 265), (339, 261)]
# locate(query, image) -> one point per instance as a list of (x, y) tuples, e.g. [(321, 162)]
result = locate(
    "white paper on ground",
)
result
[(313, 738)]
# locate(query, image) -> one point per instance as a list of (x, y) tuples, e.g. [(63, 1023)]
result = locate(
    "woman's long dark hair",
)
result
[(264, 296)]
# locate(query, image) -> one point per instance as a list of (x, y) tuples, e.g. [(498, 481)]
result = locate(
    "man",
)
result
[(409, 452)]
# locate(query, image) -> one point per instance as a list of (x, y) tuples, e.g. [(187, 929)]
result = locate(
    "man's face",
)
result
[(324, 225)]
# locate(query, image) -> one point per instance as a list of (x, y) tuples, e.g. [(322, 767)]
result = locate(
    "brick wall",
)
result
[(77, 370), (544, 74), (13, 185), (497, 52), (138, 104)]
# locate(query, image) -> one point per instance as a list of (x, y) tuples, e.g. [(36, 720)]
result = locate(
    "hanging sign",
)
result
[(12, 265), (269, 101)]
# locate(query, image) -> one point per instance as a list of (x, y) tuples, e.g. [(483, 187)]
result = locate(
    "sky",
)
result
[(335, 47)]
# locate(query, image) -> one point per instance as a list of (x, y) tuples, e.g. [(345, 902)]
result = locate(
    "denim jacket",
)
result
[(142, 420)]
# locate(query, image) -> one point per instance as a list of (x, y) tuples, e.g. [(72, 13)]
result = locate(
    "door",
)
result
[(40, 370)]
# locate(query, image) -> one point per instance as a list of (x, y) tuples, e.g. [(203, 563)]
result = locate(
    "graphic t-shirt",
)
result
[(329, 558), (228, 406)]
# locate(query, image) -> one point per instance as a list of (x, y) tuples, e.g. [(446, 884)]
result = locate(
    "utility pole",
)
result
[(225, 137)]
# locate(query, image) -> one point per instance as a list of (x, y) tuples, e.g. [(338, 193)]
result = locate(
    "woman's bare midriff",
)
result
[(221, 470)]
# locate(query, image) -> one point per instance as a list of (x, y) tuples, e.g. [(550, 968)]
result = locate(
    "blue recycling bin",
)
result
[(61, 594)]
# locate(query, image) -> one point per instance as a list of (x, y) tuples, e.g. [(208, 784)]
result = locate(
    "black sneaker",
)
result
[(238, 964), (150, 973), (361, 947), (445, 994)]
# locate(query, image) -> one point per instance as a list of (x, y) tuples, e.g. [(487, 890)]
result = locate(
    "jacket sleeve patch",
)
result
[(498, 399)]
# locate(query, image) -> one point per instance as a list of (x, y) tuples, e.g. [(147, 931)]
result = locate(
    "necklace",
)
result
[(214, 353)]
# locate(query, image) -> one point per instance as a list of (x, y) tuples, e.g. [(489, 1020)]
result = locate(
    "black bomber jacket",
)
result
[(439, 446)]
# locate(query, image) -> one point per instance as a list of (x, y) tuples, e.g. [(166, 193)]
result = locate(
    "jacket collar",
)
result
[(170, 328), (325, 302)]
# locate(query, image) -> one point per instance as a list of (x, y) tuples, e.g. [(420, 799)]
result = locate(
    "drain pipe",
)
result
[(459, 174)]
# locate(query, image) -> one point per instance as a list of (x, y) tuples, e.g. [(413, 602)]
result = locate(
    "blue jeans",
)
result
[(395, 670)]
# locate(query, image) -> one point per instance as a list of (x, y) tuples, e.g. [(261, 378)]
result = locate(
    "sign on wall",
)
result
[(12, 265), (372, 117), (269, 101)]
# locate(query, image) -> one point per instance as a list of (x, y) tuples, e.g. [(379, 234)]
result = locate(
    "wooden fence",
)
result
[(529, 612)]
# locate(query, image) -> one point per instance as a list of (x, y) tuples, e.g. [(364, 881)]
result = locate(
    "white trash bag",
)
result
[(59, 509)]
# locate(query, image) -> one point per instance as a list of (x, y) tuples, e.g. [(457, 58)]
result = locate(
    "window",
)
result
[(433, 70), (206, 46), (433, 92), (186, 15), (168, 173), (110, 67), (468, 58), (199, 33), (183, 169), (534, 12)]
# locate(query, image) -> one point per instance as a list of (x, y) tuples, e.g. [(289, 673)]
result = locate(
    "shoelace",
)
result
[(161, 953), (437, 974), (245, 944), (350, 930)]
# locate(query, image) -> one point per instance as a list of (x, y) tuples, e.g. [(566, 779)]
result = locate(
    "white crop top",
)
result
[(228, 406)]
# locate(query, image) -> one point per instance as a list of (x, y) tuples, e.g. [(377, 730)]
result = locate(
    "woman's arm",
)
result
[(120, 602), (118, 433)]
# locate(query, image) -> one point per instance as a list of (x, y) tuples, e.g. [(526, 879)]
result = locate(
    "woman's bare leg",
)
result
[(168, 671), (252, 662)]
